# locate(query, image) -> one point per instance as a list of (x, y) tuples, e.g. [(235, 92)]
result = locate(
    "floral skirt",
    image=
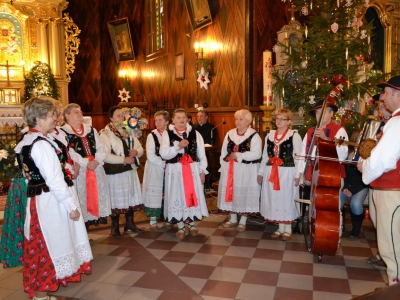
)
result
[(12, 240), (39, 272)]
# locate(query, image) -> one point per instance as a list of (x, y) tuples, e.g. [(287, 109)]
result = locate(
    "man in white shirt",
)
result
[(382, 171)]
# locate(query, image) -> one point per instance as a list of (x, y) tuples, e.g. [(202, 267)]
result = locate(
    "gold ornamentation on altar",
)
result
[(71, 32)]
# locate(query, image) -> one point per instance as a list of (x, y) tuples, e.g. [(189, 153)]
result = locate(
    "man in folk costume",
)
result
[(328, 130), (186, 166), (382, 171)]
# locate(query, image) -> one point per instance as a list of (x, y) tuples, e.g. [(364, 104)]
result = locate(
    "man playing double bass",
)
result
[(328, 130), (382, 171)]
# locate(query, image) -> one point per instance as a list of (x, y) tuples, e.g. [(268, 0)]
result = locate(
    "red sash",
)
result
[(229, 182), (188, 184), (92, 194), (274, 176)]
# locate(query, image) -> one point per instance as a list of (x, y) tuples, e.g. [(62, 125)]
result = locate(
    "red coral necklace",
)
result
[(78, 131), (276, 140)]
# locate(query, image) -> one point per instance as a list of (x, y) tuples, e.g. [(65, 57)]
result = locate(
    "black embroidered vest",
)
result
[(37, 184), (76, 142), (191, 148), (156, 143), (285, 152), (242, 147)]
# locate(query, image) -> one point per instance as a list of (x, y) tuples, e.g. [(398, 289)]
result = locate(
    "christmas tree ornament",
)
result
[(312, 99), (301, 111), (366, 3), (304, 10), (363, 34), (334, 27), (303, 64), (341, 112), (124, 95), (349, 3), (203, 79)]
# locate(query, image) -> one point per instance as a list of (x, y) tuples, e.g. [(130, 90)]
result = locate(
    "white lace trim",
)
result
[(70, 205), (67, 265)]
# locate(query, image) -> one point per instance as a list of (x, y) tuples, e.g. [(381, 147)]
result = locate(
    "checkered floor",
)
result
[(217, 264)]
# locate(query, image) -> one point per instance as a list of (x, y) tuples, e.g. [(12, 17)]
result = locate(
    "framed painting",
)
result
[(121, 39), (179, 67)]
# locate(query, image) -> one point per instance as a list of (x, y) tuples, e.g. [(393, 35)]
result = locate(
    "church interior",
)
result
[(211, 55)]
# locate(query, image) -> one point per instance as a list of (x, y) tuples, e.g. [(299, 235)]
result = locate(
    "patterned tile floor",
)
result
[(217, 264)]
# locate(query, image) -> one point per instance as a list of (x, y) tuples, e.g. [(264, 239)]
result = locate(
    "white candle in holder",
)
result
[(267, 77)]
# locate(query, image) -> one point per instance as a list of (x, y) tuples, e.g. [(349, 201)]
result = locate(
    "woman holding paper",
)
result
[(121, 163)]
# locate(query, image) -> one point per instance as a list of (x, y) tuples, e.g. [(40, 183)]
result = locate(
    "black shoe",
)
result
[(357, 223), (115, 226)]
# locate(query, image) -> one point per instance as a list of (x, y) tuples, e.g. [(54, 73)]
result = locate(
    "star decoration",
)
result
[(124, 95), (203, 79), (342, 111), (276, 48), (312, 101)]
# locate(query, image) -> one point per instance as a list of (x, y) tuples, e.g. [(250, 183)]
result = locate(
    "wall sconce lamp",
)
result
[(199, 50)]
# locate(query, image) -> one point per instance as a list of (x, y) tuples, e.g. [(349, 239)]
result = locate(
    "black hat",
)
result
[(377, 96), (319, 104), (393, 82)]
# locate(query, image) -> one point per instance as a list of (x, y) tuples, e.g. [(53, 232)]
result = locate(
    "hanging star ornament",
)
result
[(203, 79), (124, 95)]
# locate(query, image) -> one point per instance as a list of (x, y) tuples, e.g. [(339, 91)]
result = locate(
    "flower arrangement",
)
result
[(8, 163)]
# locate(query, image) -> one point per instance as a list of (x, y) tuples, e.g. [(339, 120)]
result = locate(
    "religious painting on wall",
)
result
[(121, 39), (10, 40)]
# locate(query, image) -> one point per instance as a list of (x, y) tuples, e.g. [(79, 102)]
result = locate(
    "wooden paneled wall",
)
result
[(242, 29)]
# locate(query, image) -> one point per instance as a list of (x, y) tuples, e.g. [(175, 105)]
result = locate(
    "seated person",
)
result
[(205, 128)]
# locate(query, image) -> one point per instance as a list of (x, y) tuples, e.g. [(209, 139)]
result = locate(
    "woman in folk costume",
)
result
[(120, 166), (277, 175), (186, 167), (238, 190), (153, 178), (56, 247), (60, 138), (89, 151)]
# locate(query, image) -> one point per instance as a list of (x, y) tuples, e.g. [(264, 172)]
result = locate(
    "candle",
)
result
[(290, 50), (316, 84), (338, 3), (347, 53), (369, 39), (267, 77), (130, 143), (306, 32), (283, 92), (347, 65)]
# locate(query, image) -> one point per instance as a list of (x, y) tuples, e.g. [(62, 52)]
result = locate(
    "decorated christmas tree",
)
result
[(40, 82), (332, 58)]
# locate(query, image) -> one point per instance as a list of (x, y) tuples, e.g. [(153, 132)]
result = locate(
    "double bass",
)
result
[(323, 234)]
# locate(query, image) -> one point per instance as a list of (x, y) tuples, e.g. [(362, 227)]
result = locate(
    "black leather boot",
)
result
[(115, 226), (356, 220), (130, 224)]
